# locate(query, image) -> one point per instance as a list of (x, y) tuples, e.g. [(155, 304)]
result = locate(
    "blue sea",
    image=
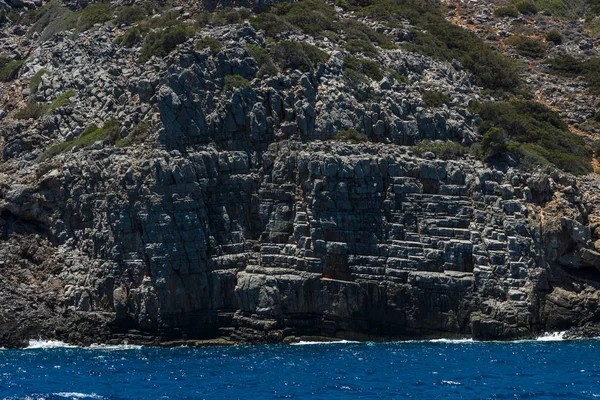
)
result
[(416, 370)]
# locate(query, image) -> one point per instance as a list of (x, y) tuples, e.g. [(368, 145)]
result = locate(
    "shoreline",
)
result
[(295, 341)]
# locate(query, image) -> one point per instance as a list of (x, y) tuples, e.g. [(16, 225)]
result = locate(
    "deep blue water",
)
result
[(419, 370)]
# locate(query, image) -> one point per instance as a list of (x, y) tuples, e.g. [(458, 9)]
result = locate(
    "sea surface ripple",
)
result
[(543, 369)]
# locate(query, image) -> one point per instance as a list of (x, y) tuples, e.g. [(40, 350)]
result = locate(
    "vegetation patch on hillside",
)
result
[(295, 55), (443, 150), (533, 132), (36, 110), (109, 132), (439, 38), (567, 65), (9, 68), (351, 136), (526, 46)]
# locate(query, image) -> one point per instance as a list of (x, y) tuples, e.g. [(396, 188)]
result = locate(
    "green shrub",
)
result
[(369, 68), (226, 16), (526, 7), (356, 81), (526, 46), (351, 135), (361, 46), (235, 81), (31, 110), (160, 43), (399, 78), (60, 101), (554, 37), (443, 150), (596, 148), (36, 110), (137, 135), (494, 143), (596, 117), (311, 16), (567, 65), (94, 13), (439, 38), (263, 59), (133, 36), (564, 8), (271, 24), (434, 98), (109, 132), (36, 80), (129, 14), (209, 43), (9, 68), (510, 12), (535, 133), (356, 30), (166, 19), (53, 18), (294, 55)]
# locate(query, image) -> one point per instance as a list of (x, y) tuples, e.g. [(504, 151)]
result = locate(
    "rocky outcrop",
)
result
[(244, 217)]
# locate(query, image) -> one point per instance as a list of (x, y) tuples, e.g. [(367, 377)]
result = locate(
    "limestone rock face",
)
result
[(244, 217)]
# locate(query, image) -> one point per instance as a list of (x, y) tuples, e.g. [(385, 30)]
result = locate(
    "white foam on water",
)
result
[(551, 337), (464, 340), (48, 344), (77, 395), (305, 343), (96, 346), (56, 344), (453, 383)]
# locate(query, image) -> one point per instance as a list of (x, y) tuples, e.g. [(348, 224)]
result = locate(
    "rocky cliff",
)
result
[(287, 204)]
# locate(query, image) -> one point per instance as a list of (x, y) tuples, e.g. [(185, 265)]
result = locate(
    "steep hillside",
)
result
[(195, 173)]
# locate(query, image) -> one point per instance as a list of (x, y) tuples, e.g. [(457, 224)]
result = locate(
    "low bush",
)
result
[(361, 46), (596, 148), (533, 132), (9, 68), (36, 110), (209, 43), (31, 110), (434, 98), (596, 117), (161, 42), (137, 135), (509, 11), (567, 65), (263, 59), (364, 66), (133, 36), (311, 16), (351, 136), (110, 132), (94, 13), (52, 18), (129, 14), (356, 30), (439, 38), (554, 37), (234, 81), (60, 101), (36, 80), (526, 7), (443, 150), (527, 47), (294, 55), (272, 24), (226, 16)]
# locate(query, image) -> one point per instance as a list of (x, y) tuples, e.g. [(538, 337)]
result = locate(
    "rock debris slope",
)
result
[(157, 202)]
